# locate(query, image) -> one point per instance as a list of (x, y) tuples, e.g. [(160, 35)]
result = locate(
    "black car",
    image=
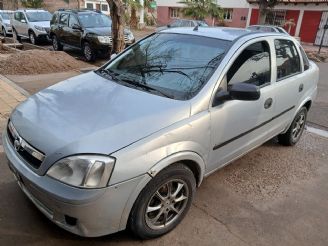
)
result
[(87, 30)]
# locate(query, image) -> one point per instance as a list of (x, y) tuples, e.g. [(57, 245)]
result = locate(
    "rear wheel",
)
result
[(88, 52), (293, 135), (163, 203), (56, 43)]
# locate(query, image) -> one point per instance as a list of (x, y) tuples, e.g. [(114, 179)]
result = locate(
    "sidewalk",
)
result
[(10, 97)]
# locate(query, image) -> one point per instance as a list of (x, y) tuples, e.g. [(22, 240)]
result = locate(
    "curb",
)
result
[(12, 84)]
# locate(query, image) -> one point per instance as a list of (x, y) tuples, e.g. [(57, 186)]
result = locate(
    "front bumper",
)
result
[(85, 212), (9, 30)]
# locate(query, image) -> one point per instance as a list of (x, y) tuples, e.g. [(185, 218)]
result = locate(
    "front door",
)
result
[(238, 126), (75, 35)]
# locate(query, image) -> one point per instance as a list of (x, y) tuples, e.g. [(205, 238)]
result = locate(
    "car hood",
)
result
[(90, 114), (103, 31), (6, 21), (45, 24)]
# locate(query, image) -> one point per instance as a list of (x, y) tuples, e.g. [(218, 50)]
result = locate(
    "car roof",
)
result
[(77, 11), (31, 10), (225, 33), (6, 11)]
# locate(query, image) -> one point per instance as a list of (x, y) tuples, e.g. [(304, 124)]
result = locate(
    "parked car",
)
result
[(267, 28), (87, 30), (5, 26), (183, 23), (128, 144), (33, 24)]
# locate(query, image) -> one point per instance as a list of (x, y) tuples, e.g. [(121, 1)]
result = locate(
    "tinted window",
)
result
[(169, 63), (305, 59), (94, 20), (17, 16), (55, 18), (38, 16), (73, 21), (252, 66), (176, 23), (288, 60), (63, 19)]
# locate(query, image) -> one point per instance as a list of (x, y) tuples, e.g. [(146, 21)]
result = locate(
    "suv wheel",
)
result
[(16, 36), (293, 135), (4, 33), (163, 203), (56, 44), (33, 38), (88, 53)]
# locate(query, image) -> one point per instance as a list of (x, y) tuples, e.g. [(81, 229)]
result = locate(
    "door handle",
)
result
[(300, 88), (268, 103)]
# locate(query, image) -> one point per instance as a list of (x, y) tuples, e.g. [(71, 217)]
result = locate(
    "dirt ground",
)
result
[(38, 62)]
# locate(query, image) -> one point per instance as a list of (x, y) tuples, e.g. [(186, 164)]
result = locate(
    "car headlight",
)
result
[(85, 171), (39, 28), (130, 36), (104, 39)]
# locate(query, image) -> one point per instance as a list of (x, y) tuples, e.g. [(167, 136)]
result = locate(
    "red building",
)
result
[(309, 18)]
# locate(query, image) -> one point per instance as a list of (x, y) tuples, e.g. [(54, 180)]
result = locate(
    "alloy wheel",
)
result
[(167, 204), (32, 38), (55, 43), (298, 126), (87, 52)]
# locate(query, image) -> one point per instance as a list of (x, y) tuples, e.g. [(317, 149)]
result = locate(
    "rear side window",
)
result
[(305, 59), (252, 66), (63, 19), (55, 19), (288, 59)]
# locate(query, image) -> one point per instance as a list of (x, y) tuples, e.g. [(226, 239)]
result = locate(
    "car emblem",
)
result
[(17, 144)]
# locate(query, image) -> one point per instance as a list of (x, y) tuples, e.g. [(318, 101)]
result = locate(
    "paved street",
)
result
[(275, 195)]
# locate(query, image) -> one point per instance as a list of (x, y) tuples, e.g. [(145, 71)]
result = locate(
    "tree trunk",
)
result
[(78, 4), (263, 5), (134, 19), (213, 21), (117, 14)]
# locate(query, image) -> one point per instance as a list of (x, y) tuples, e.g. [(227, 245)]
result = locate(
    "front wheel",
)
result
[(293, 134), (88, 52), (163, 203), (33, 38)]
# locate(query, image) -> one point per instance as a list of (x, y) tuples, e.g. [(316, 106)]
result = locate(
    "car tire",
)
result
[(158, 199), (16, 36), (4, 33), (294, 132), (56, 44), (88, 52), (33, 38)]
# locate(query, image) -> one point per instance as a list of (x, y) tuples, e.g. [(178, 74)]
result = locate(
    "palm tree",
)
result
[(134, 6), (200, 9)]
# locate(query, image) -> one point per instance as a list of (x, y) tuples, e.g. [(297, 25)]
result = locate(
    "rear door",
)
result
[(289, 84), (63, 30), (238, 126)]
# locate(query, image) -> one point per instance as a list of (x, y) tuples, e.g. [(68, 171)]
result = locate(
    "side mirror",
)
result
[(168, 25), (113, 56), (23, 20), (76, 27), (240, 91)]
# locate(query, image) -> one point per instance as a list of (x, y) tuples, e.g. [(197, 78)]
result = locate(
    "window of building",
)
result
[(252, 66), (104, 7), (275, 17), (174, 12), (288, 60), (227, 14), (89, 5)]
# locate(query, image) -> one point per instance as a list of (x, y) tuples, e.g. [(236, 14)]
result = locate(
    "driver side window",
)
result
[(252, 66)]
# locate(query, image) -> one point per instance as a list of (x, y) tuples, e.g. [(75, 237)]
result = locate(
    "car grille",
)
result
[(126, 39), (30, 154)]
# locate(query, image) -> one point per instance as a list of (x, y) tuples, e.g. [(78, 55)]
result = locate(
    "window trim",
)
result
[(290, 75)]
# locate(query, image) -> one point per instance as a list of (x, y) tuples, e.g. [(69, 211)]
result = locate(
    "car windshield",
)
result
[(38, 16), (89, 20), (167, 64), (6, 15)]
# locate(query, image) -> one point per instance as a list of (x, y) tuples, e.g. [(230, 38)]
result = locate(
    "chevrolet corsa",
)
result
[(125, 146)]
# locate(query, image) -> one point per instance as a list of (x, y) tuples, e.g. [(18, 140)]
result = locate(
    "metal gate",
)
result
[(321, 30)]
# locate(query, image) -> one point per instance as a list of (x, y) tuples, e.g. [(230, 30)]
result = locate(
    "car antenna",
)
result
[(196, 28)]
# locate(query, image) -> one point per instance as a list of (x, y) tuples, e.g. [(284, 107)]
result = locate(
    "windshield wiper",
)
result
[(114, 76), (146, 87)]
